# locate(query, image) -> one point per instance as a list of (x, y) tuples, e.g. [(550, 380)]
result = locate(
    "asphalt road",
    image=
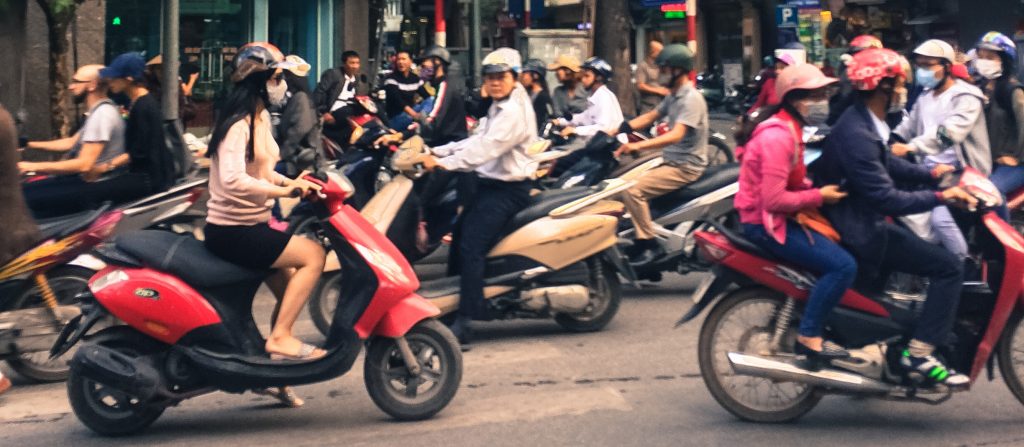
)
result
[(531, 383)]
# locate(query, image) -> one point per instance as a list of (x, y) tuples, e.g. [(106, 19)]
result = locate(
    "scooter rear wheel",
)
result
[(744, 321), (605, 298), (105, 410), (406, 396), (66, 281)]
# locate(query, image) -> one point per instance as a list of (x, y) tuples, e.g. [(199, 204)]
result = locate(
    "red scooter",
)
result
[(745, 346), (189, 328)]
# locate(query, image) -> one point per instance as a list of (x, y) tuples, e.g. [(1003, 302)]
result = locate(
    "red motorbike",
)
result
[(189, 330), (745, 346)]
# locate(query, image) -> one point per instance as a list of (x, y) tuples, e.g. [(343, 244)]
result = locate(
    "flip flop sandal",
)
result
[(306, 351), (286, 395)]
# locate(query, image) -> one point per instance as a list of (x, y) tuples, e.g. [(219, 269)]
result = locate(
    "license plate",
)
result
[(705, 284)]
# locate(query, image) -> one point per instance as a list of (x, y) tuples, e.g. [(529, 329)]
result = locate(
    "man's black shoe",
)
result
[(462, 331), (648, 251)]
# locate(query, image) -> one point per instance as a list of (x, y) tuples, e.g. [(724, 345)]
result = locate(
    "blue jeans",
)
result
[(835, 267), (1008, 179)]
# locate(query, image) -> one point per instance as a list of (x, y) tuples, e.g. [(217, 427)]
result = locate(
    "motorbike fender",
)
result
[(708, 292), (397, 321)]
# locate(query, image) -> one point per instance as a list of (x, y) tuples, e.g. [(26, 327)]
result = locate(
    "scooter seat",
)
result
[(63, 226), (542, 204), (186, 258), (714, 178), (744, 244)]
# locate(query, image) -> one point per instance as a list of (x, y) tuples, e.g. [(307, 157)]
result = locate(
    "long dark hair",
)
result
[(748, 125), (1005, 83), (244, 101)]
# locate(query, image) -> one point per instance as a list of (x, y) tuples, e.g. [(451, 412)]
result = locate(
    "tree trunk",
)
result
[(59, 14), (612, 30), (20, 231)]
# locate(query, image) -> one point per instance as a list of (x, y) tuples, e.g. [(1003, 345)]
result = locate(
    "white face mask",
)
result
[(276, 92), (989, 69)]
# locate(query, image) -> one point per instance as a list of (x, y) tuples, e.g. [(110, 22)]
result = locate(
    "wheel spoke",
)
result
[(431, 375), (412, 387), (425, 354), (397, 373)]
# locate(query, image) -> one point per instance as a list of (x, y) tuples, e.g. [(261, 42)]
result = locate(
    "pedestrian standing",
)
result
[(649, 85)]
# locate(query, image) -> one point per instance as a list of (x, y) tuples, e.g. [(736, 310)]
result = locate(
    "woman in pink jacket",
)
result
[(774, 188)]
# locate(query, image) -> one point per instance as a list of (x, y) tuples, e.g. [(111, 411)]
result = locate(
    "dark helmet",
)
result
[(676, 55), (436, 51), (598, 66), (255, 57), (537, 67)]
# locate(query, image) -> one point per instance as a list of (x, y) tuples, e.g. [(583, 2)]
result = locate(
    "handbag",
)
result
[(812, 219)]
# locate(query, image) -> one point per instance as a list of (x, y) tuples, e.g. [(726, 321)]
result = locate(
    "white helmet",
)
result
[(502, 60), (938, 49)]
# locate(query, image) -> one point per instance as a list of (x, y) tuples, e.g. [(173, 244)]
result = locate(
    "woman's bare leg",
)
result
[(307, 259)]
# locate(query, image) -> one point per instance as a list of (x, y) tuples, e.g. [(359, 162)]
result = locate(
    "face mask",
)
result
[(989, 69), (899, 101), (276, 93), (426, 73), (926, 78), (817, 113)]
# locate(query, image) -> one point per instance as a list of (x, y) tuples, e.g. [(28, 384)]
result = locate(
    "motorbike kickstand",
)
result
[(410, 359)]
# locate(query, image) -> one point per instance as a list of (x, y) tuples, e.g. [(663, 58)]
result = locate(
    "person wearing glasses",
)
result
[(67, 187)]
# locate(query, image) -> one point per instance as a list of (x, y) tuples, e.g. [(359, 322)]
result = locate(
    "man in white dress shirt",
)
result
[(497, 155)]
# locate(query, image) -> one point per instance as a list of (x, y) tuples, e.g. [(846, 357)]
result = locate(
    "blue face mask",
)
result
[(926, 78)]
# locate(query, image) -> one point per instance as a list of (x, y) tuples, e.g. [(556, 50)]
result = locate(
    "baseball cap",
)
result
[(127, 65), (295, 64)]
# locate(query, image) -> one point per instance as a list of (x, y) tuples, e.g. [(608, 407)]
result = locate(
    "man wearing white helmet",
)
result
[(945, 127), (603, 110), (497, 154)]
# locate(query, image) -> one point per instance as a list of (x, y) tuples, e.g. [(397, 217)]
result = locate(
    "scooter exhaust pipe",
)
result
[(753, 365), (106, 366)]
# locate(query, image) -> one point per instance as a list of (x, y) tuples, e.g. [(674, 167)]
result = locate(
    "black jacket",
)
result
[(329, 87), (447, 121), (298, 132), (856, 158)]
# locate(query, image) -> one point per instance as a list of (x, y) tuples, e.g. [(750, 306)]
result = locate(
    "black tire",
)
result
[(719, 152), (324, 300), (110, 412), (1013, 376), (605, 298), (803, 402), (67, 281), (384, 369)]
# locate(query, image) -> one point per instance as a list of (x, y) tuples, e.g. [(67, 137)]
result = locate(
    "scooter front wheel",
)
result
[(399, 392), (108, 411)]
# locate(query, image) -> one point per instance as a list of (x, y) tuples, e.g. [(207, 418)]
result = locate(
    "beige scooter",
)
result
[(557, 258)]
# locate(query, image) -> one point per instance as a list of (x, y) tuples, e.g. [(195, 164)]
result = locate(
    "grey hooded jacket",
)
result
[(964, 127)]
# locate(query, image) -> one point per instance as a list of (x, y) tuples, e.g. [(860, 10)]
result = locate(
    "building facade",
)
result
[(210, 33)]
